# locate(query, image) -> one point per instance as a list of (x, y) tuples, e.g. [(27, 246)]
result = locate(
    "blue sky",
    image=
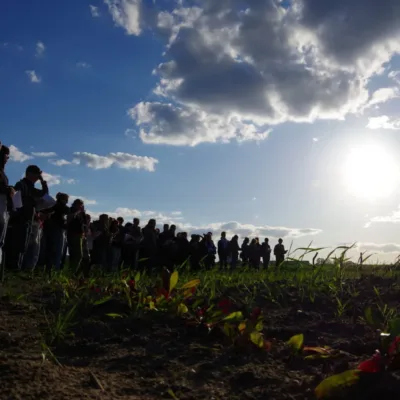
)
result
[(183, 111)]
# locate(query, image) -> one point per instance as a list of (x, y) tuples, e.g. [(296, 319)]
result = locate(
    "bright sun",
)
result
[(370, 172)]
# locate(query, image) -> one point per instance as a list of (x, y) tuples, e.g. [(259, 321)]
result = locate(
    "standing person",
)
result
[(31, 256), (102, 242), (6, 195), (255, 253), (234, 249), (116, 244), (266, 253), (136, 234), (279, 252), (210, 251), (76, 221), (54, 232), (223, 250), (149, 243), (196, 253), (245, 251), (25, 215)]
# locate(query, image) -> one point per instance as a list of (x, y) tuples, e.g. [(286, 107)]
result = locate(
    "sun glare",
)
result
[(370, 172)]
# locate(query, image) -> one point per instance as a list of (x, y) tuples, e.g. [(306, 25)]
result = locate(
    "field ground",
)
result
[(51, 347)]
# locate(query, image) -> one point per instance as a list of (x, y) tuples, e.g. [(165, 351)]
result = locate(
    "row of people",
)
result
[(45, 236)]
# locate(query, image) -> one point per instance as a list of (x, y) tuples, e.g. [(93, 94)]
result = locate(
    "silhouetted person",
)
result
[(223, 250), (210, 251), (183, 249), (279, 252), (255, 253), (25, 215), (54, 232), (196, 252), (76, 221), (136, 234), (266, 253), (149, 243), (164, 235), (245, 251), (6, 194), (234, 249)]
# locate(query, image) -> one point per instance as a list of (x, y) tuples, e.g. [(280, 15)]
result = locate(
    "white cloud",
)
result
[(232, 228), (33, 76), (383, 122), (17, 155), (383, 95), (219, 67), (52, 180), (94, 11), (126, 14), (121, 160), (163, 123), (71, 181), (40, 49), (44, 154), (379, 248), (87, 202), (393, 218), (315, 139), (83, 64), (59, 163)]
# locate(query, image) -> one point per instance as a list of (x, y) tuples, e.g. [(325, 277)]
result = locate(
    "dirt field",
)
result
[(161, 357)]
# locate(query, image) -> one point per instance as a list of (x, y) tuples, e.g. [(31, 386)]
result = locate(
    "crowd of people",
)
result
[(31, 235)]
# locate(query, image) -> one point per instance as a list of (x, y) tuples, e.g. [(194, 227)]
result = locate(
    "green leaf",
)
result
[(296, 342), (235, 316), (137, 277), (112, 315), (394, 327), (259, 326), (182, 309), (173, 281), (369, 316), (172, 394), (336, 382), (229, 330), (191, 284), (257, 338), (102, 301)]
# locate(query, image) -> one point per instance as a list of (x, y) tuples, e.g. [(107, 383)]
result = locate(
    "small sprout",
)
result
[(296, 342)]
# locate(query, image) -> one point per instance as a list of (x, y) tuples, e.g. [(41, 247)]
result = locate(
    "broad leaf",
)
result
[(182, 309), (242, 327), (296, 342), (394, 327), (173, 280), (259, 326), (257, 338), (191, 284), (336, 382), (235, 316)]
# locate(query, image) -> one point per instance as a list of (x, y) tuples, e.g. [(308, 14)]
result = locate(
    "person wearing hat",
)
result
[(6, 194), (25, 215)]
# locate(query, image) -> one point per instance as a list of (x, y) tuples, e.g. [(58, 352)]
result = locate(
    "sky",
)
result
[(262, 118)]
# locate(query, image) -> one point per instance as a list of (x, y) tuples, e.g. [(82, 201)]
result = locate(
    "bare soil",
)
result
[(145, 359)]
